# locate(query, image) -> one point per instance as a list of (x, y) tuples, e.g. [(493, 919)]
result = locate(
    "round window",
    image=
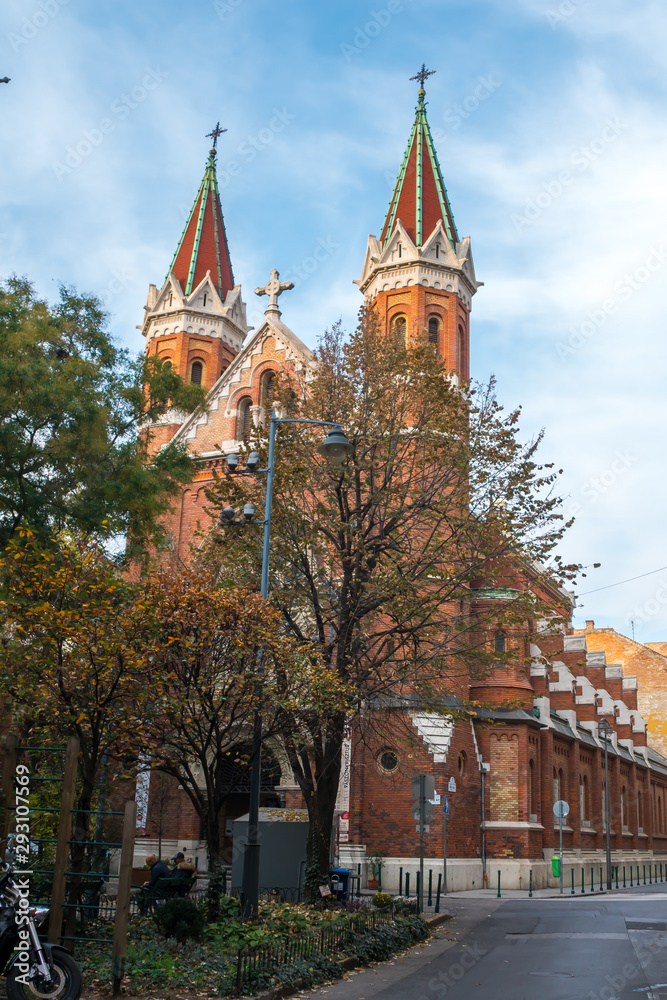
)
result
[(462, 763), (387, 761)]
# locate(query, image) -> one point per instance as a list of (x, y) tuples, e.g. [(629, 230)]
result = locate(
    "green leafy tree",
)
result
[(75, 415), (377, 563)]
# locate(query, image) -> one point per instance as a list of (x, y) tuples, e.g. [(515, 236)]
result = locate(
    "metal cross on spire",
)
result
[(217, 131), (423, 75)]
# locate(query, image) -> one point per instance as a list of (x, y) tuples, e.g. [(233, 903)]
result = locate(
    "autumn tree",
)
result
[(376, 562), (205, 649), (75, 413), (74, 637)]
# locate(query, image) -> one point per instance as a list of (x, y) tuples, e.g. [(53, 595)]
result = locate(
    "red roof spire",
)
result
[(420, 197), (203, 243)]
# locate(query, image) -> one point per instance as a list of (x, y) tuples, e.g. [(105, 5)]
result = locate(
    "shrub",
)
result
[(381, 899), (180, 919), (405, 905)]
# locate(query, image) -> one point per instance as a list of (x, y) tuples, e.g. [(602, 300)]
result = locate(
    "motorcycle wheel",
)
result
[(67, 985)]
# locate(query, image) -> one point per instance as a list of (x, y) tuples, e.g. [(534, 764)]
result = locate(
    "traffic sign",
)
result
[(451, 787), (445, 805), (561, 809), (428, 811), (429, 786)]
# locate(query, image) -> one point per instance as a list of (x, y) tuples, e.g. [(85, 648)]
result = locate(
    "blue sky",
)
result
[(550, 121)]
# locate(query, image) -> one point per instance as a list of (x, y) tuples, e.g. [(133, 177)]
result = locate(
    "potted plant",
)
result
[(374, 864)]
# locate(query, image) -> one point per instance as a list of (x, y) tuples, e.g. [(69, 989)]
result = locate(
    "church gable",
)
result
[(237, 395)]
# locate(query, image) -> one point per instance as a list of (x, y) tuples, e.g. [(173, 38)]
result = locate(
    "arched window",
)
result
[(433, 328), (399, 327), (461, 347), (244, 418), (532, 807), (267, 389), (557, 782), (582, 801), (197, 372), (499, 642)]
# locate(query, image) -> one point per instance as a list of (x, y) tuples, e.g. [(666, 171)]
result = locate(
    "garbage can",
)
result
[(340, 882), (555, 866)]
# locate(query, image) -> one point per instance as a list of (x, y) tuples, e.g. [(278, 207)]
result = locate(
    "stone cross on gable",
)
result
[(273, 288)]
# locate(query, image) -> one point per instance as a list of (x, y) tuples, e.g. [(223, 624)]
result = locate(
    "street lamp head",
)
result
[(336, 447), (252, 461), (232, 462), (228, 513), (249, 511)]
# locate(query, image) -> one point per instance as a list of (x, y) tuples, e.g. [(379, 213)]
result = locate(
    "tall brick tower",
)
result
[(419, 274), (197, 321)]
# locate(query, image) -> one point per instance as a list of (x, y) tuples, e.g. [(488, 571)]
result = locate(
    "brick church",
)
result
[(537, 741)]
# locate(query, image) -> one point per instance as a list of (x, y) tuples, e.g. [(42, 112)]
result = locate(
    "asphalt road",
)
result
[(598, 947)]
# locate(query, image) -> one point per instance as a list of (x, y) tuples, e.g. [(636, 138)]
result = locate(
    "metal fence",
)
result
[(333, 941)]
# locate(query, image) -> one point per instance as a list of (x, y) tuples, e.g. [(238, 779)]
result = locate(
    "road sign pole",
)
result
[(560, 862), (444, 847), (422, 817)]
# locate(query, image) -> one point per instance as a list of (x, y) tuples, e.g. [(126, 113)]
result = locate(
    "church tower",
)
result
[(419, 274), (197, 320)]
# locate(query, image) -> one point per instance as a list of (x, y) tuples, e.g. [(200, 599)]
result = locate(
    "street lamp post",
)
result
[(334, 449), (605, 730)]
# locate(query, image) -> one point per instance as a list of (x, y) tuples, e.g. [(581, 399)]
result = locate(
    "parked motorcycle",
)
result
[(34, 970)]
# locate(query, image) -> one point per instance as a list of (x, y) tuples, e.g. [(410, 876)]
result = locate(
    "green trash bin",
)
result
[(555, 866)]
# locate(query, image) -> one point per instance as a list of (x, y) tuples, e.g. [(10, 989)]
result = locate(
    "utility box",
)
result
[(283, 836)]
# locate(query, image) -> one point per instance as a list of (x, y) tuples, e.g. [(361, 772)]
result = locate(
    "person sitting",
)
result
[(183, 870), (158, 870)]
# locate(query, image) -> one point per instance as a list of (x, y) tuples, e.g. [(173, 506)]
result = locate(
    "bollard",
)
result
[(644, 867), (637, 874), (430, 887), (582, 879), (661, 872), (592, 886), (649, 873), (530, 883), (437, 893), (358, 881), (418, 892), (400, 881), (380, 877), (631, 877), (407, 885), (617, 876), (572, 874), (498, 885), (624, 876), (600, 878)]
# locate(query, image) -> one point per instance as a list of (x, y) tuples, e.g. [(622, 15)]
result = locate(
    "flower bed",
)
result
[(296, 945)]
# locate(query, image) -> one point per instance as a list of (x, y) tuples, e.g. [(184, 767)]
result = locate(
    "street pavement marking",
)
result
[(576, 935)]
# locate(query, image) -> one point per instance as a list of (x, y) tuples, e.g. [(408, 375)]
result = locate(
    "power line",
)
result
[(630, 580)]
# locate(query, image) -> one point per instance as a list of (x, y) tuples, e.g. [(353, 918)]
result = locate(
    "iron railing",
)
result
[(333, 941)]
